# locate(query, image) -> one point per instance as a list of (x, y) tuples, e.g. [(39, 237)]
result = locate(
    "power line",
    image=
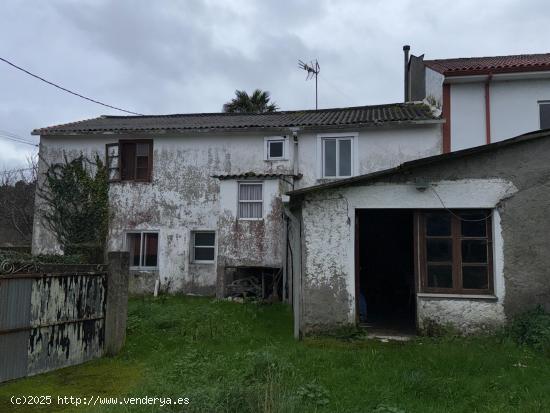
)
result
[(67, 90), (10, 138), (14, 135)]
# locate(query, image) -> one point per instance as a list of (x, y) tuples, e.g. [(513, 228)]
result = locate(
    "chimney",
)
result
[(406, 49)]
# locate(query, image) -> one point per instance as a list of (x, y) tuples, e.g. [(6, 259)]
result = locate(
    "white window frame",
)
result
[(284, 140), (144, 247), (203, 231), (542, 102), (239, 183), (353, 136)]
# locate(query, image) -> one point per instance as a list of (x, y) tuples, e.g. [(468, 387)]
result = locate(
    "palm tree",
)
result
[(258, 102)]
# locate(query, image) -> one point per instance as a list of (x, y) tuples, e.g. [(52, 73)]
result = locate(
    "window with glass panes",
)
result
[(337, 157), (456, 251), (130, 160), (143, 248), (204, 246), (250, 200)]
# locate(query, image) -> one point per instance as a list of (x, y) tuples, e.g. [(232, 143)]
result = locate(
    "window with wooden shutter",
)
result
[(130, 160)]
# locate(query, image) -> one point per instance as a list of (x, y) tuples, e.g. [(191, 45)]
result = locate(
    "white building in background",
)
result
[(484, 99)]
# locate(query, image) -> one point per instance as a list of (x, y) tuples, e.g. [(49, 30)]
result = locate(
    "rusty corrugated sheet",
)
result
[(48, 322)]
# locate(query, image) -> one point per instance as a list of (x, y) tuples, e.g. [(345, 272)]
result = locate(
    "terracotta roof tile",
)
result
[(493, 64)]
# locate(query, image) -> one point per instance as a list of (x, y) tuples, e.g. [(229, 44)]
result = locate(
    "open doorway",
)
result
[(385, 274)]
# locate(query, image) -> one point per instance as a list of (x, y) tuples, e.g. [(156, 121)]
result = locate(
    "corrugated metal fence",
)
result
[(51, 319)]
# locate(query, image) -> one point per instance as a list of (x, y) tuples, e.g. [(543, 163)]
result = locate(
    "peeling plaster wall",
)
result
[(514, 181), (183, 198), (330, 243)]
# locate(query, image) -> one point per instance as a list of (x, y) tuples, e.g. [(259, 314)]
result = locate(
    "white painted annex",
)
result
[(329, 244)]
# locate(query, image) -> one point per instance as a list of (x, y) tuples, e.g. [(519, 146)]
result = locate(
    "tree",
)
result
[(258, 102), (17, 203)]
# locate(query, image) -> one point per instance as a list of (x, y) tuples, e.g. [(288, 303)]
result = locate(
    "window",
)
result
[(203, 246), (544, 111), (130, 160), (337, 157), (456, 252), (250, 200), (276, 148), (143, 247)]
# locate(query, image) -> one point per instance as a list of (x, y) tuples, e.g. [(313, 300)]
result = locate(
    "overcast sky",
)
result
[(158, 57)]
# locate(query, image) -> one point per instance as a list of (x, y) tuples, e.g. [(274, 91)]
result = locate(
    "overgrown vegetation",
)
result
[(76, 195), (230, 357), (531, 329)]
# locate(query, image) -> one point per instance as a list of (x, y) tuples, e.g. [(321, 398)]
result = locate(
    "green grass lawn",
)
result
[(230, 357)]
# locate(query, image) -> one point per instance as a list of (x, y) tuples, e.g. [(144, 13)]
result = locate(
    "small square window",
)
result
[(204, 246), (275, 149)]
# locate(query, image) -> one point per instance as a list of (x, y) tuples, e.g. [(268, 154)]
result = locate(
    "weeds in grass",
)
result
[(531, 328)]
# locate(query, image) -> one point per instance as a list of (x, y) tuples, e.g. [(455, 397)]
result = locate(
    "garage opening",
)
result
[(385, 274)]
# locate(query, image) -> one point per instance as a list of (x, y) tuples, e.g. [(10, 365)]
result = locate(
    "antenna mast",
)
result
[(312, 69)]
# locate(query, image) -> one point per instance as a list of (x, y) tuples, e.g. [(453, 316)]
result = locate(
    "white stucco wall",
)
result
[(514, 106), (376, 149), (467, 115), (514, 109), (329, 246)]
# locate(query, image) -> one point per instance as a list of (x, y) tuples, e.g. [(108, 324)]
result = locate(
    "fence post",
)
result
[(116, 308)]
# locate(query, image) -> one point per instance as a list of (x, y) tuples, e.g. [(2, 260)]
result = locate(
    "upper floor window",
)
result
[(337, 159), (250, 200), (143, 248), (276, 148), (456, 252), (130, 160), (544, 112)]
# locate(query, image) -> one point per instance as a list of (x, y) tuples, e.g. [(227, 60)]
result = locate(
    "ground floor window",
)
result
[(455, 251), (143, 248), (204, 246)]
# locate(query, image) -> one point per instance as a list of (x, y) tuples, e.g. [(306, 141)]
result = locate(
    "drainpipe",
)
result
[(295, 156), (488, 108), (406, 49)]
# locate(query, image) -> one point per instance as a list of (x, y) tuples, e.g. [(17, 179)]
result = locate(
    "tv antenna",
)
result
[(312, 68)]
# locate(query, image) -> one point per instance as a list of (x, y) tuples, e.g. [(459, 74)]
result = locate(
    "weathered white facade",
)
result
[(194, 188), (505, 180)]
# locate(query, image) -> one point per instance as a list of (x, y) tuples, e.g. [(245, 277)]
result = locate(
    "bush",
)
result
[(531, 329)]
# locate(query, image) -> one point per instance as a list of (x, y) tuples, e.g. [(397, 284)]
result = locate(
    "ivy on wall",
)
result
[(76, 194)]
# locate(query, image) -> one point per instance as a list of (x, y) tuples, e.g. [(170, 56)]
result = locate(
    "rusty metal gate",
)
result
[(51, 317)]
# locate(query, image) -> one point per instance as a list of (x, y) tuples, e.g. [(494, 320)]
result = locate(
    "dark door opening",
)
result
[(385, 260)]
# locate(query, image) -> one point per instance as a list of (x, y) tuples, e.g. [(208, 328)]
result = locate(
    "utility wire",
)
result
[(67, 90), (7, 137), (13, 135), (456, 215)]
